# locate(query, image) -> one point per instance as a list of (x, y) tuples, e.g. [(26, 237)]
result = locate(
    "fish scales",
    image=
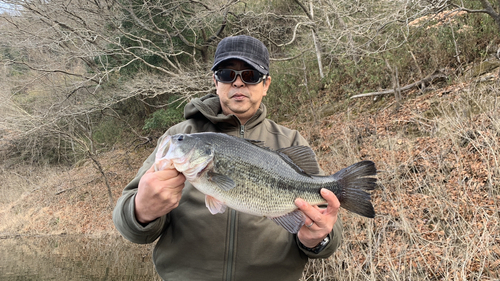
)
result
[(264, 177), (251, 178)]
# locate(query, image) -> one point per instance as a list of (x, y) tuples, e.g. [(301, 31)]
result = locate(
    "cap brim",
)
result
[(251, 63)]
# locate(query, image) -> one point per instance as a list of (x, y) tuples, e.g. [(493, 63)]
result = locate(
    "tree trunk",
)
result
[(99, 167)]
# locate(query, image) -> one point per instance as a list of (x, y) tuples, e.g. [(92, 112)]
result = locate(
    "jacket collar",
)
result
[(209, 108)]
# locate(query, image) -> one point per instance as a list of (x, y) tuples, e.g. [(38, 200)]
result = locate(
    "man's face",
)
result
[(239, 98)]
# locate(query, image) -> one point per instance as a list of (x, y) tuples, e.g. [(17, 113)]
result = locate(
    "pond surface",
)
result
[(74, 258)]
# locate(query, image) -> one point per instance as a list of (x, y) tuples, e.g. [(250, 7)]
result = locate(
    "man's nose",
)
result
[(238, 82)]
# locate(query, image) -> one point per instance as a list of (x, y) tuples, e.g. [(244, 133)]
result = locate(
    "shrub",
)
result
[(161, 119)]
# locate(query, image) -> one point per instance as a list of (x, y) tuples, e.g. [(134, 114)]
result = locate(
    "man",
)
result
[(196, 245)]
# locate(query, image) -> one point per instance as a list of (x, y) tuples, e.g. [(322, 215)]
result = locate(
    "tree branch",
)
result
[(426, 81)]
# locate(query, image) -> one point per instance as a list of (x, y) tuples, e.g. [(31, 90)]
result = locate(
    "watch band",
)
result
[(318, 248)]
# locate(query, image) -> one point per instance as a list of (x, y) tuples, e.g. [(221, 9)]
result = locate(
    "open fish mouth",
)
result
[(164, 147), (162, 162), (183, 155)]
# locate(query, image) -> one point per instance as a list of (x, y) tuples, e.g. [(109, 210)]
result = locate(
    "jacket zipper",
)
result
[(231, 247), (232, 231), (242, 131)]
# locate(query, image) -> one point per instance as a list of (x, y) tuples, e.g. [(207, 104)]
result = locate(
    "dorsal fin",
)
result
[(299, 157), (302, 157)]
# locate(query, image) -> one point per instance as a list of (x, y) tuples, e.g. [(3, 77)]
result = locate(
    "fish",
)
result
[(249, 177)]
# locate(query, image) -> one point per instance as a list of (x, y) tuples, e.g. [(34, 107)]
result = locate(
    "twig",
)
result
[(68, 189), (425, 81), (147, 140)]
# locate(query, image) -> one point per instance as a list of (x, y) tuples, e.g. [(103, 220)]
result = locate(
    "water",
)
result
[(74, 258)]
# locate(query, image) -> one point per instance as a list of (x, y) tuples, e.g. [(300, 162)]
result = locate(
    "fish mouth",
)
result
[(180, 159), (168, 143), (160, 161), (164, 147)]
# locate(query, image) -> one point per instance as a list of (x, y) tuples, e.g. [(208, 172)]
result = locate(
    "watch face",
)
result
[(325, 241), (319, 247)]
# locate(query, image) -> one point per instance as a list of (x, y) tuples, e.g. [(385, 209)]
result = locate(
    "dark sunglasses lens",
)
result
[(229, 75), (250, 76), (226, 75)]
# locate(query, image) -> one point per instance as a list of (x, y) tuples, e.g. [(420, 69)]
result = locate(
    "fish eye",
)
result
[(180, 138), (208, 151)]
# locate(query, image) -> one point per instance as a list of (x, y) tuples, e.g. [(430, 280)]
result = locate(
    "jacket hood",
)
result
[(209, 107)]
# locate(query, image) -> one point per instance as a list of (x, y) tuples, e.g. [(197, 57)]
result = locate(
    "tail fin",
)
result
[(352, 183)]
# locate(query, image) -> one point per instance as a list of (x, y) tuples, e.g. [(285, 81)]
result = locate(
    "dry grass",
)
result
[(58, 200), (438, 200)]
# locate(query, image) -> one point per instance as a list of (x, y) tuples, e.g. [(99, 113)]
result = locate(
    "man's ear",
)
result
[(266, 85), (267, 80), (215, 81)]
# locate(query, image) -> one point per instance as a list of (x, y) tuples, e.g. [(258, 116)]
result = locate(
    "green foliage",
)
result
[(108, 131), (161, 119), (294, 83)]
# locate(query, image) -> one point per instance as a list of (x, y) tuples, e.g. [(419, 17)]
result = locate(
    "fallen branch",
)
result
[(71, 188), (422, 83), (147, 140)]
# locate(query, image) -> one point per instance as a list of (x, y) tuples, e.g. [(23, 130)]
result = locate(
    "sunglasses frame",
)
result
[(238, 73)]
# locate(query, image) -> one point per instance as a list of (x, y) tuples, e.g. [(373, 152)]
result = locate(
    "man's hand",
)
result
[(158, 194), (320, 221)]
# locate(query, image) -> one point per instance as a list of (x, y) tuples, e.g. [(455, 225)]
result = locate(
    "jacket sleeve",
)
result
[(124, 212), (336, 234)]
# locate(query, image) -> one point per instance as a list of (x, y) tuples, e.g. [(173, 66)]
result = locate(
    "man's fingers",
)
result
[(158, 193), (311, 212), (151, 169), (166, 174), (332, 200), (314, 214)]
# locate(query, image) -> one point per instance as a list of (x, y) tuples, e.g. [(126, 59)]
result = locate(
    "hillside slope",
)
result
[(437, 203)]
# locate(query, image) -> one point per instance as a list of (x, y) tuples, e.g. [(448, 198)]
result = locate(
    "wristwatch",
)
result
[(318, 248)]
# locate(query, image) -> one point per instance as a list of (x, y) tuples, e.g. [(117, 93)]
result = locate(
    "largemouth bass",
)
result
[(248, 177)]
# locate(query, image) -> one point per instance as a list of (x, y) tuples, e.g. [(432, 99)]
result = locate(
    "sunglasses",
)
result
[(248, 76)]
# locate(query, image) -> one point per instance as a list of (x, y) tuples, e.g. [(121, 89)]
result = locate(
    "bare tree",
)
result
[(63, 63), (317, 47), (68, 62)]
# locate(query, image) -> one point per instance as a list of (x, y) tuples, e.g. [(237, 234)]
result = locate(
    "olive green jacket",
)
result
[(196, 245)]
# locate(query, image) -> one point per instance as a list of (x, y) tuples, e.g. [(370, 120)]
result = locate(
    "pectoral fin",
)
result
[(292, 221), (222, 181), (214, 206)]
